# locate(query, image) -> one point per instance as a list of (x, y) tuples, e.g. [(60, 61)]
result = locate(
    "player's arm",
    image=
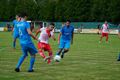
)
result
[(59, 35), (38, 31), (72, 38), (53, 37), (30, 33), (12, 28)]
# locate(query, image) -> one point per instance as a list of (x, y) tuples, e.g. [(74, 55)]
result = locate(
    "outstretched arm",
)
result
[(38, 31), (72, 38), (30, 33)]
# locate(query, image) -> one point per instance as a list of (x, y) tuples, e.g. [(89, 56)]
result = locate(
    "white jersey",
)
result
[(105, 28), (45, 35)]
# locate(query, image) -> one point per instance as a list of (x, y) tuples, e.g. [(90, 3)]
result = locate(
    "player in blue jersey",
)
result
[(26, 43), (65, 38), (15, 30)]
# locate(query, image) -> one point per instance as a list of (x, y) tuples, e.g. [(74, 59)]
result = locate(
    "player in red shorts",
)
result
[(104, 31), (43, 45)]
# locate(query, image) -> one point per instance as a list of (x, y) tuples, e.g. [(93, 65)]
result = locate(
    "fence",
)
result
[(87, 27)]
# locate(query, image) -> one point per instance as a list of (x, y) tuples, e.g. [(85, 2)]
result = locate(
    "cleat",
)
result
[(46, 58), (31, 70), (118, 60), (17, 69), (62, 56)]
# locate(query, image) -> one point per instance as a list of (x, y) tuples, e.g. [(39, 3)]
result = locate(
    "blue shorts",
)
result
[(64, 44), (28, 48)]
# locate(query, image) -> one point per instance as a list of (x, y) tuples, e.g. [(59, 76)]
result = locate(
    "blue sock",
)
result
[(14, 44), (20, 61), (32, 60), (63, 52), (58, 53)]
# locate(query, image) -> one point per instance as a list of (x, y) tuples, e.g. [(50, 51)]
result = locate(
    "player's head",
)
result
[(18, 17), (51, 26), (105, 22), (24, 15), (68, 23)]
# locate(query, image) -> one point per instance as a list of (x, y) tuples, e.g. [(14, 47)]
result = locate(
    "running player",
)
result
[(65, 38), (26, 43), (105, 31), (43, 45)]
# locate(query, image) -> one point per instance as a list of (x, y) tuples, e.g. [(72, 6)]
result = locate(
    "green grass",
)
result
[(86, 60)]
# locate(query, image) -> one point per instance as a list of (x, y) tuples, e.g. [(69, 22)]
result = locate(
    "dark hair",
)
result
[(68, 21), (19, 15), (23, 14), (52, 24)]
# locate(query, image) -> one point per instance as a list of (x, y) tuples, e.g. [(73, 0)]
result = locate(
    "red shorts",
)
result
[(44, 46), (104, 34)]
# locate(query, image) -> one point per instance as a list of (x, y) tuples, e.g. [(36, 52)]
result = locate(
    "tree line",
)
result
[(61, 10)]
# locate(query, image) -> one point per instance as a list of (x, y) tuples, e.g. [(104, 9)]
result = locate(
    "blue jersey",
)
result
[(67, 32), (15, 32), (23, 34)]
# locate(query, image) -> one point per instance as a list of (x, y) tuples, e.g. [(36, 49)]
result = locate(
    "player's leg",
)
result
[(41, 52), (107, 37), (61, 46), (50, 57), (32, 61), (32, 50), (59, 51), (102, 35), (24, 55), (41, 49), (98, 32), (14, 43), (15, 36), (66, 48), (63, 52), (20, 62), (48, 48)]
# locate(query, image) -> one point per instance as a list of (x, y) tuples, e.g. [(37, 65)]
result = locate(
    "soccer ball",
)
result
[(57, 58)]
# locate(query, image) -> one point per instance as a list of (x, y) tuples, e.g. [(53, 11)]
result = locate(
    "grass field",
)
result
[(86, 60)]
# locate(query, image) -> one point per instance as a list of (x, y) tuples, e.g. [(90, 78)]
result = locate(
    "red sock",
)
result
[(49, 60), (42, 54)]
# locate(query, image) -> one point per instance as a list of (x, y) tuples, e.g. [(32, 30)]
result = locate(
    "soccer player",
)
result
[(104, 31), (65, 37), (15, 30), (119, 30), (98, 27), (43, 45), (26, 43)]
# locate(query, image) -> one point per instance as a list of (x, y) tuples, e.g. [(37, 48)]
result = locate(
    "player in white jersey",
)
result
[(104, 31), (43, 45)]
